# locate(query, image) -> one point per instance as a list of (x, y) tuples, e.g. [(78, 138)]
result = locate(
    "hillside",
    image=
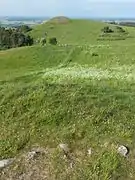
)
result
[(79, 32), (74, 31), (82, 95)]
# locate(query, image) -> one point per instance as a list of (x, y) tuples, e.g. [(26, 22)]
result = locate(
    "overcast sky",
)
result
[(76, 8)]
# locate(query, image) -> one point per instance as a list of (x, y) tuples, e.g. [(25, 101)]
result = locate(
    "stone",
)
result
[(89, 151), (31, 155), (6, 162), (123, 150), (35, 152), (64, 147)]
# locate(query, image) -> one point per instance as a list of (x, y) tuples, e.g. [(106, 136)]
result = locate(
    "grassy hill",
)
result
[(74, 31), (81, 95)]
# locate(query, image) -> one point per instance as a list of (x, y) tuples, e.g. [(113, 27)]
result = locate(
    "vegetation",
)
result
[(120, 29), (53, 41), (11, 38), (82, 94), (107, 29), (113, 33), (24, 28), (66, 33), (43, 41)]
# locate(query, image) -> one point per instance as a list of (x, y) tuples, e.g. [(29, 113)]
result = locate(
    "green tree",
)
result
[(11, 38), (24, 29)]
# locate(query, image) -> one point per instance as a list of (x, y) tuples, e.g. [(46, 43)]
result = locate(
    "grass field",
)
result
[(51, 95)]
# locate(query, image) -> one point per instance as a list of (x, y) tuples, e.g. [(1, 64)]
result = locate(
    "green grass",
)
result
[(21, 61), (70, 33), (51, 95), (79, 32)]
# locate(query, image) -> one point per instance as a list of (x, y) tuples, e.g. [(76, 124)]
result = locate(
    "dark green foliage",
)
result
[(11, 38), (94, 54), (24, 28), (120, 29), (53, 41), (107, 29), (51, 27), (29, 40), (43, 41)]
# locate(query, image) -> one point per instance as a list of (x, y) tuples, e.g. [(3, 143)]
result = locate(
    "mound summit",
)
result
[(59, 20)]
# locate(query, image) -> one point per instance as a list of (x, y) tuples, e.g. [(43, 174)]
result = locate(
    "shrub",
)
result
[(120, 29), (107, 29), (53, 41), (43, 41), (51, 27), (94, 54), (24, 28)]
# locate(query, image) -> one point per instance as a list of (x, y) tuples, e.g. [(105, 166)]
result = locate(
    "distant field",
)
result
[(14, 21), (82, 94)]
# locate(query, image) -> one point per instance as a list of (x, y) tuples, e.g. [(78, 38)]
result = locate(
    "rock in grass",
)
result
[(65, 148), (123, 150), (35, 152), (89, 151), (6, 162), (31, 155)]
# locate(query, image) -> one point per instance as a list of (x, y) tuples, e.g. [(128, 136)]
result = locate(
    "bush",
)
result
[(24, 28), (43, 41), (120, 29), (51, 27), (94, 54), (53, 41), (107, 29)]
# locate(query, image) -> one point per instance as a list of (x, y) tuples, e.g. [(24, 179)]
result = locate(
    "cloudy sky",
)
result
[(76, 8)]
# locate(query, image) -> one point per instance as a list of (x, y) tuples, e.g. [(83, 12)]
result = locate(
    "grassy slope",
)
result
[(21, 61), (57, 104), (75, 32)]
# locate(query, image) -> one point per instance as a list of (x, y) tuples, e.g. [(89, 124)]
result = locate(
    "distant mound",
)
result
[(59, 20)]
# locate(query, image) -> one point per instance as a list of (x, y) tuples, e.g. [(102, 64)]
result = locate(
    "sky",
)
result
[(70, 8)]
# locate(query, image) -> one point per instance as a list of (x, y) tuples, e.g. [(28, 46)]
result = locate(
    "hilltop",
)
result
[(59, 20)]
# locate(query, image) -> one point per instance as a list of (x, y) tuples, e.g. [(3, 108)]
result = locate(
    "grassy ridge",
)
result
[(80, 32), (50, 95), (21, 61), (74, 32)]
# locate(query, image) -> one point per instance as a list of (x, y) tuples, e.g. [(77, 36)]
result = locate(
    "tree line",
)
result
[(14, 37)]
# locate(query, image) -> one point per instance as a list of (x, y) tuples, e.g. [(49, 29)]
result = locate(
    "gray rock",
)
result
[(89, 151), (123, 150), (6, 162), (31, 155), (64, 147), (35, 152)]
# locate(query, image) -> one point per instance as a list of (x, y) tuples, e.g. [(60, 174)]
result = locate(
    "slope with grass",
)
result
[(78, 32), (72, 32), (51, 95)]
